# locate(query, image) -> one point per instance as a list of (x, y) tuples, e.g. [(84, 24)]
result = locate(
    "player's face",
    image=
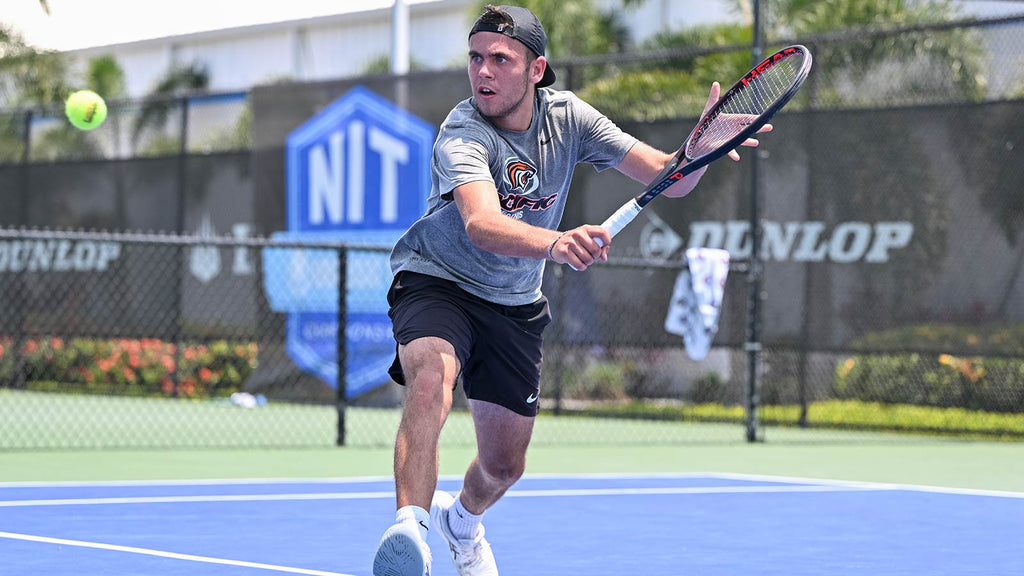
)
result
[(502, 79)]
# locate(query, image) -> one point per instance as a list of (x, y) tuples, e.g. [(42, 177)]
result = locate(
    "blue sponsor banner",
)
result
[(313, 345), (359, 173)]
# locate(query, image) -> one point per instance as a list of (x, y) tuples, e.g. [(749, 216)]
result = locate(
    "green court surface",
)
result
[(47, 437), (976, 465)]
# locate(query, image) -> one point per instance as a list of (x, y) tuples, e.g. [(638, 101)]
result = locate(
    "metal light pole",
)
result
[(400, 51)]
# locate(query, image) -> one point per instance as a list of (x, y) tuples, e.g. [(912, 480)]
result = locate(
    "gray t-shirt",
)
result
[(531, 170)]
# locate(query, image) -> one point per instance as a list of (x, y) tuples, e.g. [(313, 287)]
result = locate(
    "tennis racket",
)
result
[(738, 115)]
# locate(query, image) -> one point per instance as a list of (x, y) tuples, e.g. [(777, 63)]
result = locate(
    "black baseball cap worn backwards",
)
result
[(525, 28)]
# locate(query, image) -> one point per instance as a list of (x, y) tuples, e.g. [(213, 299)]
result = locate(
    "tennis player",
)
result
[(466, 300)]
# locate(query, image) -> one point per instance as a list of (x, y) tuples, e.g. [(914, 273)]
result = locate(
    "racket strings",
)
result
[(745, 104)]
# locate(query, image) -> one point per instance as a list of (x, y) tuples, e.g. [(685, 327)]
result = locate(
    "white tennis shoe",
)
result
[(402, 552), (472, 557)]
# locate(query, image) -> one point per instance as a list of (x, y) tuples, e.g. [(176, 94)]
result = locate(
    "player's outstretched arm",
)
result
[(489, 229)]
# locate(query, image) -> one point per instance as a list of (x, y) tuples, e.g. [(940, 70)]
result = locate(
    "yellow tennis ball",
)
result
[(85, 109)]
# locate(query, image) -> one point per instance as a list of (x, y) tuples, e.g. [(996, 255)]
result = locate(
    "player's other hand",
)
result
[(716, 91), (582, 246)]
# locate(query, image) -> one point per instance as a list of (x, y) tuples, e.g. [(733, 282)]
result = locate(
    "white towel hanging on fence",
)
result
[(697, 299)]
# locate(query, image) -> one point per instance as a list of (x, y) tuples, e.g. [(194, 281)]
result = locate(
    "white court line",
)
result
[(199, 482), (163, 554), (374, 495), (869, 485), (342, 479), (681, 490), (527, 477), (212, 498)]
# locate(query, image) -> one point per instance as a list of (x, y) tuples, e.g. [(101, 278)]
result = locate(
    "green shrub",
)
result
[(966, 340), (130, 367), (707, 389), (969, 381), (600, 381), (991, 384)]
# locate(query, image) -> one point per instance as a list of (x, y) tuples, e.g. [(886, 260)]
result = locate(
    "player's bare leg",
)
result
[(502, 439), (430, 368)]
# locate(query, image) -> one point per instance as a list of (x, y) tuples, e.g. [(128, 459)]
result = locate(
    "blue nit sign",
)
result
[(357, 172), (362, 164)]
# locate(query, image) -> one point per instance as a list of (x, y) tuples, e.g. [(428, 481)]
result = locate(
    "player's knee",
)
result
[(426, 390), (504, 471)]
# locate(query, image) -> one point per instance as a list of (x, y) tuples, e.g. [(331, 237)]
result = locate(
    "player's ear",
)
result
[(537, 68)]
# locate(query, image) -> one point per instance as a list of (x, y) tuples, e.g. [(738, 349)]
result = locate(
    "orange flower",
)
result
[(205, 374)]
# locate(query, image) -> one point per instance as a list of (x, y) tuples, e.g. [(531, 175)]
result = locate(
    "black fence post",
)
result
[(342, 400), (812, 211), (20, 376), (182, 258), (753, 343)]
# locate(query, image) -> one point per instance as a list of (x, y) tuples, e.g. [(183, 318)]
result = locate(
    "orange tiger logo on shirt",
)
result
[(521, 176)]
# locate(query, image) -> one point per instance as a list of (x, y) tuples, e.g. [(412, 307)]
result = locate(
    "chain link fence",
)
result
[(121, 340), (892, 286), (129, 340)]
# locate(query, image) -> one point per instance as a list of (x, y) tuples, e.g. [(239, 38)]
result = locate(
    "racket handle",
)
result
[(624, 215)]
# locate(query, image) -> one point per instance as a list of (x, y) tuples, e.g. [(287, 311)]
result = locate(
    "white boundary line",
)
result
[(196, 482), (163, 554), (209, 498), (872, 485), (846, 484), (375, 495)]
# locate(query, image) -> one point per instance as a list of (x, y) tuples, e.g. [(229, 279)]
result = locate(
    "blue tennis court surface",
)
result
[(701, 524)]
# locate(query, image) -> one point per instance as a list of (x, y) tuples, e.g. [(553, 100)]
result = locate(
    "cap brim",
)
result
[(549, 76)]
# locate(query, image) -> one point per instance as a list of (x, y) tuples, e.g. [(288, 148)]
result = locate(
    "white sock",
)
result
[(415, 515), (463, 524)]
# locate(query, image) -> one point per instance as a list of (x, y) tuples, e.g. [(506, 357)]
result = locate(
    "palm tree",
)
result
[(178, 81), (28, 77)]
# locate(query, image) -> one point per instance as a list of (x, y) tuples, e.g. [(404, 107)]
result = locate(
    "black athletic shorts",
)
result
[(498, 347)]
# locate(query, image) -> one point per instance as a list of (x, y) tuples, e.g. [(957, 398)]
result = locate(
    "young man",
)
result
[(466, 300)]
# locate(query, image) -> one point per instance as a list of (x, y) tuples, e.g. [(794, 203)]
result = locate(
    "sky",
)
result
[(74, 24)]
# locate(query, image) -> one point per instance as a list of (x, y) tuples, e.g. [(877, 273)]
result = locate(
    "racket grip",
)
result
[(624, 215)]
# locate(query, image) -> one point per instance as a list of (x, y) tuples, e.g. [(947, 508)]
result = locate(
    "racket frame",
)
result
[(681, 165)]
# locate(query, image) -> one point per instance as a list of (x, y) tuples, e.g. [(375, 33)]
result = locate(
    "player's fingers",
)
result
[(587, 251), (600, 235), (752, 142), (734, 155), (578, 262), (766, 128), (716, 89)]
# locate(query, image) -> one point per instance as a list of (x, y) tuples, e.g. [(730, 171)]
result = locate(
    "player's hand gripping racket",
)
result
[(737, 115)]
